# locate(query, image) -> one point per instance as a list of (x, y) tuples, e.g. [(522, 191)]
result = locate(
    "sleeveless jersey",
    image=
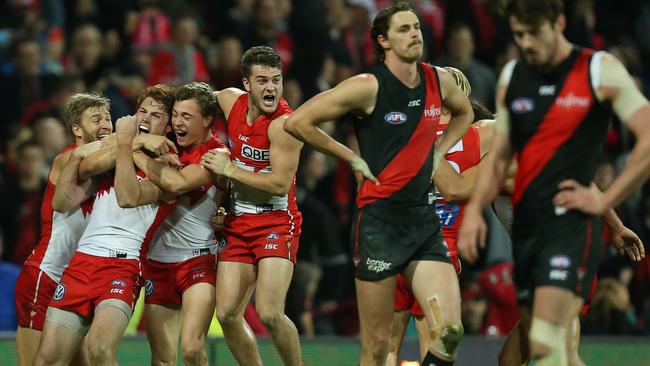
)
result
[(250, 150), (60, 233), (462, 156), (558, 129), (186, 232), (117, 232), (397, 141)]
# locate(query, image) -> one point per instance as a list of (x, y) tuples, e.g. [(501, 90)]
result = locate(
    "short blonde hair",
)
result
[(78, 104)]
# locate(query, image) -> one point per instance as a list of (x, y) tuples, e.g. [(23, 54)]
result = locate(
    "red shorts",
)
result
[(166, 282), (90, 279), (404, 298), (34, 291), (251, 237)]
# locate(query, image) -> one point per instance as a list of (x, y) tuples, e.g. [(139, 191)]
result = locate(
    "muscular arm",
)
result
[(617, 87), (226, 98), (171, 179), (284, 156), (355, 95), (457, 103), (70, 193)]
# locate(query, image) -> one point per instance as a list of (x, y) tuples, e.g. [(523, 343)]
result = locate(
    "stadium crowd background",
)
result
[(50, 49)]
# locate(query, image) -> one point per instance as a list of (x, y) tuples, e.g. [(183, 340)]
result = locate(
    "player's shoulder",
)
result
[(231, 92)]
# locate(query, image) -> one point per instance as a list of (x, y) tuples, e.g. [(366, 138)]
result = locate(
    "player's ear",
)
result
[(247, 84), (560, 23)]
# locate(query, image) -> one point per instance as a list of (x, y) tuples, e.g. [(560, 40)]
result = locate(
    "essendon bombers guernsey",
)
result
[(397, 142), (558, 129)]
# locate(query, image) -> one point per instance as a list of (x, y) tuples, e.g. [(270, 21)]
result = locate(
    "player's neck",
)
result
[(205, 138), (562, 52), (406, 72), (253, 112)]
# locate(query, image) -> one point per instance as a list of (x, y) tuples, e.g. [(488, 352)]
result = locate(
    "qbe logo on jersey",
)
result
[(59, 292), (254, 153)]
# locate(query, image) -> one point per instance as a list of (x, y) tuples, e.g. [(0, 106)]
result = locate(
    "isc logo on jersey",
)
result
[(253, 153), (395, 118)]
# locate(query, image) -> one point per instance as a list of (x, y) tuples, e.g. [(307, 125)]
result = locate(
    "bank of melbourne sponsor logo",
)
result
[(573, 101), (59, 292), (395, 118), (522, 105), (377, 265), (432, 111), (148, 287), (254, 153)]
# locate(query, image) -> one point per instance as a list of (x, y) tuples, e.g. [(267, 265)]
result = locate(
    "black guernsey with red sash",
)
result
[(558, 130), (397, 142)]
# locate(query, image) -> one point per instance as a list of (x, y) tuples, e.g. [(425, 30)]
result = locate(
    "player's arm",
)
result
[(616, 86), (284, 155), (490, 178), (174, 180), (455, 187), (129, 190), (226, 98), (460, 109), (356, 95), (70, 191)]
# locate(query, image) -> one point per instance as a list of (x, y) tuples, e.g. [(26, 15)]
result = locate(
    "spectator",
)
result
[(50, 133), (8, 276), (225, 68), (610, 311), (21, 196), (152, 27)]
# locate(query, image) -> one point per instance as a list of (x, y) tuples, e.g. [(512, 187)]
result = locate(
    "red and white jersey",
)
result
[(60, 233), (117, 232), (186, 232), (250, 150), (462, 156)]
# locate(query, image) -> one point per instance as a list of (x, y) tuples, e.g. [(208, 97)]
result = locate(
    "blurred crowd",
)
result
[(50, 49)]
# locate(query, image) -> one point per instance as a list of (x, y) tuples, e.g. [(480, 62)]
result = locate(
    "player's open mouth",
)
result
[(180, 133), (102, 135), (268, 100), (143, 129)]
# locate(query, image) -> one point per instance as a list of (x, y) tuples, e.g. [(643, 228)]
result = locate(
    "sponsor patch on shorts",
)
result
[(59, 292), (377, 265), (148, 287)]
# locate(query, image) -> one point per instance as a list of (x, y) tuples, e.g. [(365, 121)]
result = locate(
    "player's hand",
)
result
[(216, 221), (473, 233), (218, 162), (575, 196), (627, 242), (362, 170), (170, 159), (159, 145), (125, 128)]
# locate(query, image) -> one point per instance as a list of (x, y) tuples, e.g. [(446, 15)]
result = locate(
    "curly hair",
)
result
[(161, 93), (202, 93)]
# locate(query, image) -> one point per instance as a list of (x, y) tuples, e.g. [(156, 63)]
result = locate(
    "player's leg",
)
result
[(234, 289), (163, 329), (198, 311), (514, 351), (273, 280), (63, 332), (26, 345), (553, 310), (107, 328), (82, 357), (440, 301), (423, 335), (398, 329), (573, 343), (376, 302)]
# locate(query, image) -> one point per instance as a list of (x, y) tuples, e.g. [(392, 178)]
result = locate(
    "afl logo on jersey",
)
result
[(522, 105), (59, 292), (148, 287), (395, 118)]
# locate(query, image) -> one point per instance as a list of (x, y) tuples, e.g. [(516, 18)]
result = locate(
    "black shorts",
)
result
[(563, 252), (383, 249)]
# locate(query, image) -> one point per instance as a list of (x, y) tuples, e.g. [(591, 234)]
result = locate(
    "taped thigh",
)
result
[(68, 319)]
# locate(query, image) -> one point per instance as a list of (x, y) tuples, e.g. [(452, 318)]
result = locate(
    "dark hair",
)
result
[(381, 24), (78, 104), (27, 144), (480, 111), (202, 93), (161, 93), (259, 55), (533, 12)]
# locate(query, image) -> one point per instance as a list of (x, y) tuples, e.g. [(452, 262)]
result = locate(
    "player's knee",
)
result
[(99, 352), (270, 318), (547, 343), (447, 337), (227, 317), (193, 351), (44, 359)]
